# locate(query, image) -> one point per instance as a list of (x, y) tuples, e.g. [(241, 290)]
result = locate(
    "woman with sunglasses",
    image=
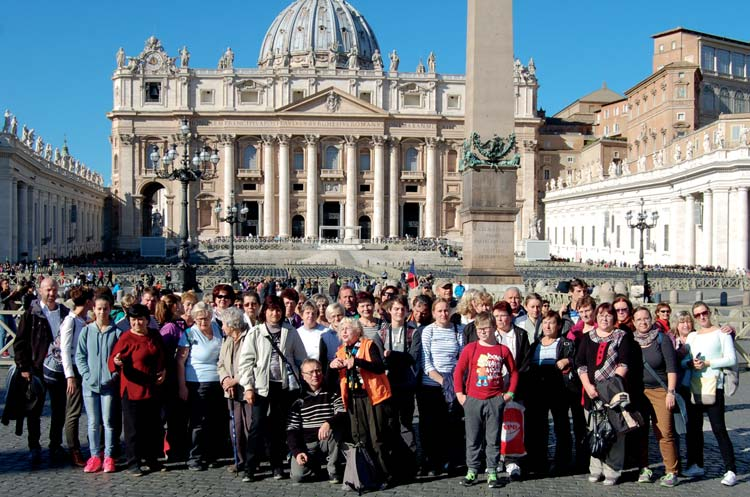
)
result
[(709, 351), (224, 298), (250, 306), (624, 312)]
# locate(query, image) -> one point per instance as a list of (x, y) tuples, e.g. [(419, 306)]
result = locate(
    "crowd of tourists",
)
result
[(173, 381)]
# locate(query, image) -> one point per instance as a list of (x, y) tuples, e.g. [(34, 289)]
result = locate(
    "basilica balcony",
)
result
[(249, 173), (412, 175), (331, 173), (367, 174)]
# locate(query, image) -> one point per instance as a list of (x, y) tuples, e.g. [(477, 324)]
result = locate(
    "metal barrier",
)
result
[(8, 333)]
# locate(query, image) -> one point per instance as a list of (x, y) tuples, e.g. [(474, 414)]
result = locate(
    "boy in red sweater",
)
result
[(478, 380)]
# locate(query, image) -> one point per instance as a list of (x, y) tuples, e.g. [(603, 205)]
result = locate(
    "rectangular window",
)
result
[(411, 189), (722, 61), (249, 97), (616, 128), (606, 130), (298, 95), (680, 91), (616, 155), (546, 174), (364, 188), (707, 59), (454, 102), (207, 96), (666, 237), (298, 187), (738, 65), (364, 161), (153, 92), (571, 160), (412, 100), (299, 161), (680, 116), (249, 187), (366, 96)]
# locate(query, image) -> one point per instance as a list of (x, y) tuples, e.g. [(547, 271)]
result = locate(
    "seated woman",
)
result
[(366, 393), (549, 359), (198, 383)]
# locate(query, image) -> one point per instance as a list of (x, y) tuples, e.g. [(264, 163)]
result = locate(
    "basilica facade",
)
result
[(328, 136)]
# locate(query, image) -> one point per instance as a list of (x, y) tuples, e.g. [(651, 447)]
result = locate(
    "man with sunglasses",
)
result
[(314, 427)]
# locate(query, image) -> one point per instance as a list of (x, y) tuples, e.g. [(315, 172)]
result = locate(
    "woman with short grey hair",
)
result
[(235, 329)]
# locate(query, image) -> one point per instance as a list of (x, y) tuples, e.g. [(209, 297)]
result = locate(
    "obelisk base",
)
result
[(488, 257)]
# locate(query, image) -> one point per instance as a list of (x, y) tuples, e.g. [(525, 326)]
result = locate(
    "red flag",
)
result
[(411, 277)]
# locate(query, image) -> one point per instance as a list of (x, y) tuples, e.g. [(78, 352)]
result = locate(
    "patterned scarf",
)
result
[(646, 339), (606, 356)]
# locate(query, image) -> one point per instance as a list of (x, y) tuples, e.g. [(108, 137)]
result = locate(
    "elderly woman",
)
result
[(235, 330), (603, 353), (366, 393), (441, 432), (198, 383), (251, 306), (710, 350), (657, 400), (138, 357), (310, 331), (269, 373), (545, 368)]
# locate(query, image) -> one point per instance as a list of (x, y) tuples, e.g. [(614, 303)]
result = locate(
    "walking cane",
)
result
[(234, 439)]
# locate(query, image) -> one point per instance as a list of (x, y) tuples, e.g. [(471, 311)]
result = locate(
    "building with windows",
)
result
[(53, 205), (327, 131)]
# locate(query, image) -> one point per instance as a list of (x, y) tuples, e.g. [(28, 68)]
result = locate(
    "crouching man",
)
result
[(314, 428)]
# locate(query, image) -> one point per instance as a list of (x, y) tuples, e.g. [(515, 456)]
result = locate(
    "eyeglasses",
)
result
[(621, 310), (313, 372), (389, 294), (699, 315), (224, 297)]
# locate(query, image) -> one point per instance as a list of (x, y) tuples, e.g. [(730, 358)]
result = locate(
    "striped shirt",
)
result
[(308, 414), (440, 350)]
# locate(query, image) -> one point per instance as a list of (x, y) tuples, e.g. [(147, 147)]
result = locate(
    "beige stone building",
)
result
[(327, 131)]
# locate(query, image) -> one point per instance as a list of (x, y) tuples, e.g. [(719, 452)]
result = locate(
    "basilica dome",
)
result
[(319, 33)]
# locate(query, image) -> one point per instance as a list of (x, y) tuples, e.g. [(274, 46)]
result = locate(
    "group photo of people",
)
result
[(434, 381)]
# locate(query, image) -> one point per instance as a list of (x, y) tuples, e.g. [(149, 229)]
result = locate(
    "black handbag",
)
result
[(600, 436)]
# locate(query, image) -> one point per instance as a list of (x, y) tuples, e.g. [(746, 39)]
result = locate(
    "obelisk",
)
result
[(489, 160)]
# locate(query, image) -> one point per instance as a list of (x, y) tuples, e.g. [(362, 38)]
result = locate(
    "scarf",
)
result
[(646, 339), (606, 357)]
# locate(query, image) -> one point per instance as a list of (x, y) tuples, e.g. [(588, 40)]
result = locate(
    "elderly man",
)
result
[(513, 296), (149, 298), (348, 298), (39, 336), (314, 427)]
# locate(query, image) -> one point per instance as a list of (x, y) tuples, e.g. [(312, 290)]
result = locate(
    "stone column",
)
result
[(708, 226), (342, 213), (742, 228), (260, 218), (23, 219), (311, 164), (689, 230), (378, 203), (393, 186), (230, 173), (721, 227), (269, 177), (127, 187), (351, 187), (284, 185), (431, 195)]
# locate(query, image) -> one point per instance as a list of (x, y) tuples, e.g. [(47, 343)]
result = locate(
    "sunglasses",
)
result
[(664, 311), (621, 310), (701, 314), (224, 297)]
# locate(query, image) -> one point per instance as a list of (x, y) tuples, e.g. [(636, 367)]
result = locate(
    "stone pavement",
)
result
[(17, 480)]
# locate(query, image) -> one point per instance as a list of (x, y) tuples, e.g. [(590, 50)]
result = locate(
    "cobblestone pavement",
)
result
[(18, 480)]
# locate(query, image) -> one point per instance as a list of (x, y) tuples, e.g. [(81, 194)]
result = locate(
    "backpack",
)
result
[(360, 473)]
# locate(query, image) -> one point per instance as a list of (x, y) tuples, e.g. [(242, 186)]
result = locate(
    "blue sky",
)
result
[(58, 56)]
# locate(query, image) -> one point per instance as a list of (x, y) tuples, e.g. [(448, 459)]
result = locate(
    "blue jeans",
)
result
[(99, 411)]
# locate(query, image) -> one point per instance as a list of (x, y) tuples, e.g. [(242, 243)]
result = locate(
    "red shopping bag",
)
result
[(511, 435)]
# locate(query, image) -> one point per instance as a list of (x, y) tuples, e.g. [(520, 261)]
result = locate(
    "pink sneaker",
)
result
[(93, 465), (109, 465)]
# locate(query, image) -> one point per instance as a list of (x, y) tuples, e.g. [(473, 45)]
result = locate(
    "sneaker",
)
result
[(514, 471), (109, 465), (492, 480), (93, 465), (278, 474), (249, 477), (194, 466), (694, 471), (730, 479), (334, 479), (470, 479), (668, 480), (136, 471), (594, 478), (608, 482), (645, 476)]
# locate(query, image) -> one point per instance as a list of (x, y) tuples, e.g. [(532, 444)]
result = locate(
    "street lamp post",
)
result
[(641, 224), (234, 215), (202, 166)]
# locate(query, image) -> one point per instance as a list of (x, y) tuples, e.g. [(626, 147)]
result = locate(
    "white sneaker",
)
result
[(513, 470), (694, 471), (730, 479)]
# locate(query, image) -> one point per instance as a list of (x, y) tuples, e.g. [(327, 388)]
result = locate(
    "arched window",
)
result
[(740, 105), (150, 165), (708, 99), (725, 102), (299, 159), (250, 158), (331, 158), (411, 159), (364, 159)]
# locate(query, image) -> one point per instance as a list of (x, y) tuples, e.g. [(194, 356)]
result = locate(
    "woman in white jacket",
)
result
[(269, 373)]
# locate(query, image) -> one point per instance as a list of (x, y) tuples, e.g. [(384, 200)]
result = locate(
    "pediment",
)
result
[(334, 102)]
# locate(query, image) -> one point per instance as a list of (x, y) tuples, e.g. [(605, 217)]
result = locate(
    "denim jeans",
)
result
[(98, 412)]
